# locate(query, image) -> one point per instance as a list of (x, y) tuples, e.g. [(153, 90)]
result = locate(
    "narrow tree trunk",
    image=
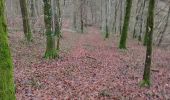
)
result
[(121, 11), (25, 18), (58, 24), (101, 16), (32, 8), (123, 38), (106, 23), (149, 33), (74, 15), (141, 22), (138, 17), (115, 17), (81, 17), (50, 46), (6, 68), (164, 29)]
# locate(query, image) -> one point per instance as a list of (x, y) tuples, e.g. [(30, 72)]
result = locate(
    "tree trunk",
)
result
[(164, 29), (138, 17), (32, 8), (149, 33), (50, 40), (106, 23), (7, 91), (121, 11), (58, 24), (142, 21), (115, 17), (25, 18), (74, 15), (81, 17), (123, 38)]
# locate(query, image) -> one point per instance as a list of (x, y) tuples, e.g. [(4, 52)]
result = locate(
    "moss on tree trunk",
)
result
[(6, 68), (124, 33), (25, 18), (50, 47), (51, 52), (149, 35)]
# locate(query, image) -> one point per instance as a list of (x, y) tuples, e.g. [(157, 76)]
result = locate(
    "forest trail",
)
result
[(89, 67)]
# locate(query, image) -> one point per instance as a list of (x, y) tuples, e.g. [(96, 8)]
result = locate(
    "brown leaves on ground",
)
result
[(89, 68)]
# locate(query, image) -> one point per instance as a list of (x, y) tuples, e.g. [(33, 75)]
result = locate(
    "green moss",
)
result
[(6, 67), (149, 35), (29, 37), (122, 44), (51, 51), (51, 54), (145, 83)]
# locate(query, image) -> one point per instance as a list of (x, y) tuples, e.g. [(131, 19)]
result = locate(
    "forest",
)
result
[(84, 49)]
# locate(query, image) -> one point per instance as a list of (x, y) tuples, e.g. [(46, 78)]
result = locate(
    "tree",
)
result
[(142, 21), (74, 15), (106, 21), (6, 68), (25, 18), (115, 17), (138, 28), (164, 29), (81, 16), (50, 40), (32, 8), (57, 23), (149, 34), (123, 38), (138, 18), (121, 11)]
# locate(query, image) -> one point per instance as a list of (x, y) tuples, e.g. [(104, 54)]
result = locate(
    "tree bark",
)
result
[(58, 24), (25, 18), (149, 34), (81, 16), (164, 29), (50, 40), (106, 20), (7, 91), (124, 33)]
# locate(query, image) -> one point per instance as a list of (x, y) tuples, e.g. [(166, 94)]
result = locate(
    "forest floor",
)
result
[(89, 68)]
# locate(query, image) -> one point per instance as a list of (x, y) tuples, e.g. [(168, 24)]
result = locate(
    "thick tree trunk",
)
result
[(149, 33), (6, 68), (50, 46), (25, 18), (124, 33)]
